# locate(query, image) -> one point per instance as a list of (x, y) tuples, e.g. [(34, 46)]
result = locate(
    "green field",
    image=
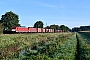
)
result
[(45, 46)]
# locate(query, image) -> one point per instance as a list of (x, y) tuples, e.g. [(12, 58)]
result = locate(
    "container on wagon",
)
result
[(58, 30), (43, 30), (47, 30), (39, 30), (51, 30), (32, 30)]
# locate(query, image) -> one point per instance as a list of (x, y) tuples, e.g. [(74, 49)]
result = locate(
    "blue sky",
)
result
[(71, 13)]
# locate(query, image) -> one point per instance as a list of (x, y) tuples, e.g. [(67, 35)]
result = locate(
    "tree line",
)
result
[(10, 19), (81, 28), (39, 24)]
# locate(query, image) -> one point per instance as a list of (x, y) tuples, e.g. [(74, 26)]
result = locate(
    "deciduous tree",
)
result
[(38, 24), (9, 19), (63, 28)]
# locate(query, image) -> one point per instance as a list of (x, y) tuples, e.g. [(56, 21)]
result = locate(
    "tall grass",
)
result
[(9, 44), (59, 48)]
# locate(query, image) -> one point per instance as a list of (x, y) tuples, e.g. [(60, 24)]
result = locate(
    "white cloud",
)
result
[(48, 5), (53, 6)]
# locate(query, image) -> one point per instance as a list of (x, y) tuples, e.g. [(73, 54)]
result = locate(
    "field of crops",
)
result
[(45, 46), (84, 45)]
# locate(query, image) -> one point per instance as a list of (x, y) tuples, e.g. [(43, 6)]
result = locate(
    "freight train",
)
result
[(33, 30)]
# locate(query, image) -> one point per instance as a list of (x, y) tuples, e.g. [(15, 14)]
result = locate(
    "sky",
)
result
[(72, 13)]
